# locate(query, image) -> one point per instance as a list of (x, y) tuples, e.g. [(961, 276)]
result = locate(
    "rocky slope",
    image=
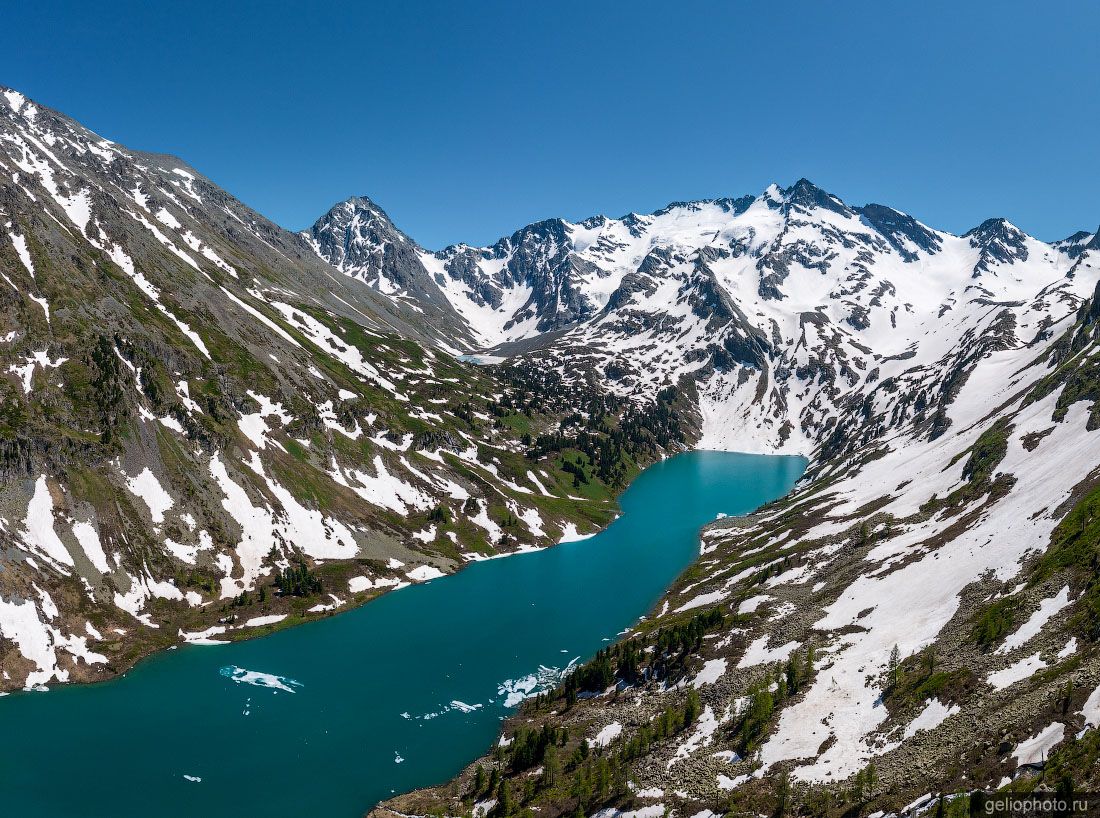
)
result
[(945, 389), (206, 431)]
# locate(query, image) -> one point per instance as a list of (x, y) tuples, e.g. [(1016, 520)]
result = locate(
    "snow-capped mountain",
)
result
[(783, 308), (192, 403), (358, 238), (945, 388)]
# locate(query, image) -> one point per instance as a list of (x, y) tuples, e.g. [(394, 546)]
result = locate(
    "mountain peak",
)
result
[(997, 227), (905, 234), (999, 240), (354, 233), (1076, 244), (807, 195), (357, 204)]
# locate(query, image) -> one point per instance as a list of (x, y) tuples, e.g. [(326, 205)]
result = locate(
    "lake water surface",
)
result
[(327, 719)]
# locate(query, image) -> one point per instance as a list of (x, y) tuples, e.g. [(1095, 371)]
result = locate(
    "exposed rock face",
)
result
[(358, 238)]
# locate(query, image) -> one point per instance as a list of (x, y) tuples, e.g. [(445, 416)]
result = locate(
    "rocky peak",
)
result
[(805, 195), (904, 233), (353, 234), (999, 241)]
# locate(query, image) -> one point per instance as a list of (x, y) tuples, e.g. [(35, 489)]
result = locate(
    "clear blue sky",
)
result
[(466, 120)]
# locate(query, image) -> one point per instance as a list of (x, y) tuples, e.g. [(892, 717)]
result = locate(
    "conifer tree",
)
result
[(782, 794)]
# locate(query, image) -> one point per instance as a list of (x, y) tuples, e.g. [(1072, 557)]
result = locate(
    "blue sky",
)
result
[(468, 120)]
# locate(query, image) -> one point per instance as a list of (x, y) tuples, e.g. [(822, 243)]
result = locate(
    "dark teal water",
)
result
[(364, 682)]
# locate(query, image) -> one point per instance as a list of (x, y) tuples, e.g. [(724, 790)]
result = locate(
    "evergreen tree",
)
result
[(757, 715), (782, 794), (791, 675), (929, 660), (297, 580), (505, 804), (551, 767), (691, 708), (857, 788)]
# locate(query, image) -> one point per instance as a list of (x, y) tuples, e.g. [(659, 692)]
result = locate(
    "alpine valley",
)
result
[(211, 427)]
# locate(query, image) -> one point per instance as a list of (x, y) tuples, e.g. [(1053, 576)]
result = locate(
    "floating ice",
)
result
[(545, 678), (241, 675)]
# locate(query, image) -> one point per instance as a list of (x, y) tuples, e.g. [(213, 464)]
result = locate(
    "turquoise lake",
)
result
[(398, 694)]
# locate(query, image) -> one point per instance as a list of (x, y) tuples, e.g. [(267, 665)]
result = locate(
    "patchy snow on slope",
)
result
[(423, 573), (607, 734), (1090, 710), (146, 486), (569, 533), (1036, 749), (255, 427), (910, 604), (712, 671), (25, 372), (700, 737), (39, 534), (1047, 608), (263, 528), (758, 653), (1000, 679), (931, 717), (88, 538), (25, 624), (382, 488)]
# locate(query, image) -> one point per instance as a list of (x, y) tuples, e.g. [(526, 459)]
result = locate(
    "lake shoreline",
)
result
[(412, 687), (423, 800)]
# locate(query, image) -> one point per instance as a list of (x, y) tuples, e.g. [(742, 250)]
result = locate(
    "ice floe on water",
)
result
[(545, 678), (193, 778), (397, 759), (454, 706), (241, 675)]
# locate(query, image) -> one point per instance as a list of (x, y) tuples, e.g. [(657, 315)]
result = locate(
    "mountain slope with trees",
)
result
[(206, 431)]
